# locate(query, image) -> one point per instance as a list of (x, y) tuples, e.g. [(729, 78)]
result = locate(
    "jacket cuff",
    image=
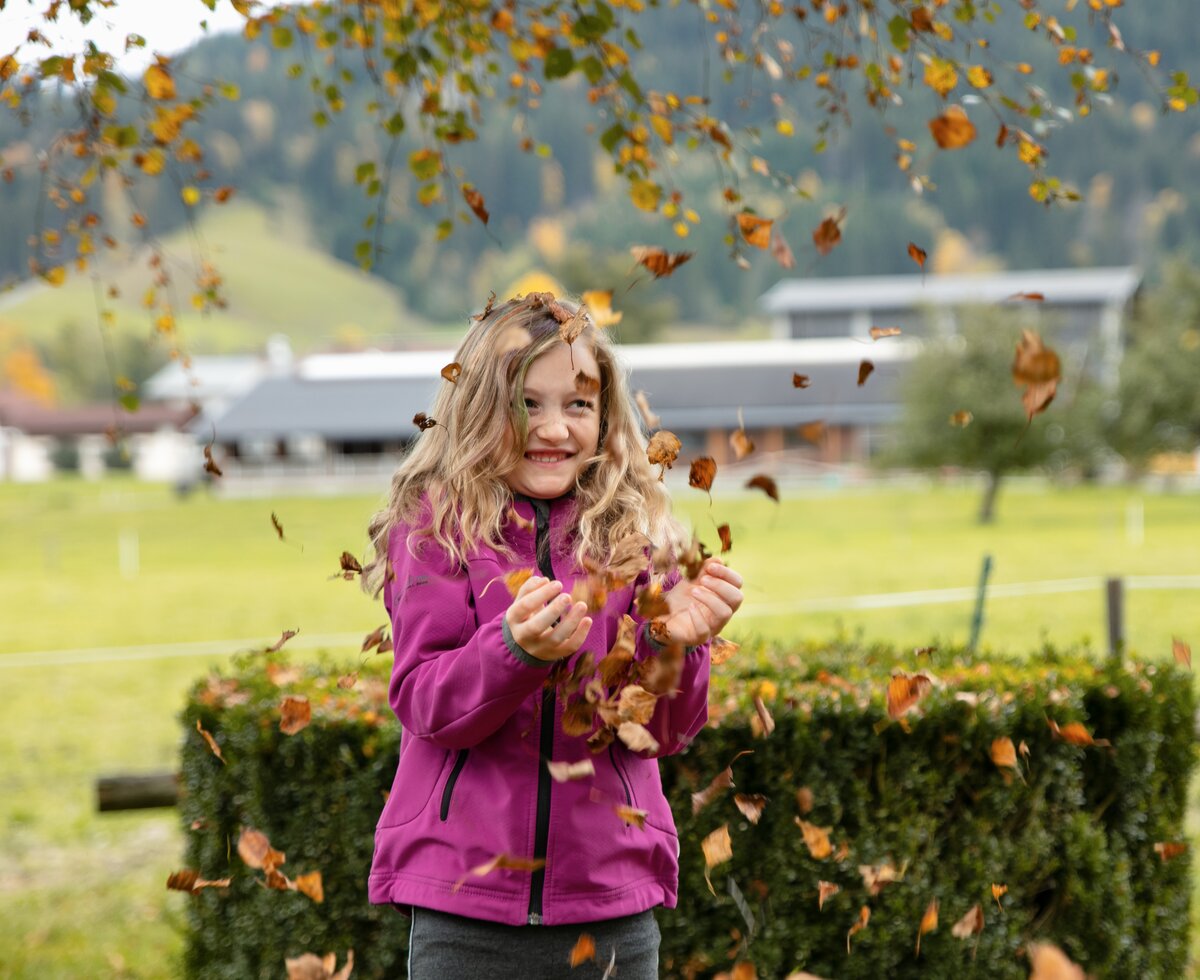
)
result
[(515, 649), (657, 647)]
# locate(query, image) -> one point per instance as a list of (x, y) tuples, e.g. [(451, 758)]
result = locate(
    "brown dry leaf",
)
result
[(515, 579), (828, 233), (570, 330), (864, 916), (905, 690), (452, 371), (210, 464), (961, 418), (295, 713), (726, 537), (816, 839), (878, 333), (507, 862), (583, 950), (1048, 962), (1169, 849), (800, 380), (751, 805), (720, 782), (615, 665), (744, 970), (781, 251), (755, 230), (952, 130), (212, 743), (578, 718), (764, 714), (636, 737), (702, 473), (631, 815), (1075, 734), (997, 892), (309, 966), (804, 800), (283, 638), (1004, 753), (663, 450), (721, 650), (717, 848), (865, 368), (423, 421), (275, 524), (190, 881), (255, 850), (917, 254), (659, 261), (378, 639), (347, 681), (636, 704), (586, 385), (970, 924), (565, 772), (1038, 368), (652, 421), (812, 432), (760, 481), (310, 884), (741, 443), (349, 566), (929, 922), (875, 876), (1182, 652), (826, 889), (630, 557), (475, 202)]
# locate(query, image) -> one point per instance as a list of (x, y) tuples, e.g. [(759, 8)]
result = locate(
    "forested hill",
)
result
[(568, 213)]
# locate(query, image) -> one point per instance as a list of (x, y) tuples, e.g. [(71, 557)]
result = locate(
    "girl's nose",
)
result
[(553, 429)]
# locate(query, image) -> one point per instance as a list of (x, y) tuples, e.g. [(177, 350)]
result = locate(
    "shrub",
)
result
[(1071, 836)]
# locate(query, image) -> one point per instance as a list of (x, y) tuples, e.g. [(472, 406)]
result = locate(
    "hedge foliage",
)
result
[(1072, 836)]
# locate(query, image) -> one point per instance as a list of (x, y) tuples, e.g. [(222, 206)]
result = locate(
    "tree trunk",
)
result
[(987, 509)]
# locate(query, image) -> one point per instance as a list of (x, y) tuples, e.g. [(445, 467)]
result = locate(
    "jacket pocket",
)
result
[(622, 775), (448, 790)]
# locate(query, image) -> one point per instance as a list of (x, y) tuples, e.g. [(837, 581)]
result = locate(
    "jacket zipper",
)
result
[(546, 739), (620, 770), (449, 790)]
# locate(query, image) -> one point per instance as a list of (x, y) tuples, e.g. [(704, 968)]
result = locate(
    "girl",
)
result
[(527, 807)]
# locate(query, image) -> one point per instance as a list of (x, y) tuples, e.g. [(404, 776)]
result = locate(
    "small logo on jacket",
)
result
[(414, 580)]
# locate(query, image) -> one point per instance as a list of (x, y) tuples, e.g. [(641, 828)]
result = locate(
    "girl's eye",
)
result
[(582, 404), (530, 403)]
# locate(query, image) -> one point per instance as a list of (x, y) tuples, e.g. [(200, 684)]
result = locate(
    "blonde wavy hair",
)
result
[(452, 478)]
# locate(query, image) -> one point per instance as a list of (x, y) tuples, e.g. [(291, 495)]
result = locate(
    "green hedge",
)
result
[(1073, 840)]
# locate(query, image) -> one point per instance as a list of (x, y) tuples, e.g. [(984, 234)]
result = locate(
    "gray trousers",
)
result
[(449, 947)]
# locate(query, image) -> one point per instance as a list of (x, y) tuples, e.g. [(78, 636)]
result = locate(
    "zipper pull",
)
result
[(535, 919)]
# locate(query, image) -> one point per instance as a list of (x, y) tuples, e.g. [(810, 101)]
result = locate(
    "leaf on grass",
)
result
[(755, 230), (275, 524), (452, 371), (878, 333), (1048, 962), (255, 850), (663, 450), (190, 881), (800, 380), (1073, 733), (507, 862), (212, 743), (565, 772), (826, 889), (583, 950), (652, 421), (1182, 652), (751, 805), (766, 484), (283, 638), (717, 848), (828, 233), (702, 473), (864, 916), (295, 712), (1169, 849), (952, 130), (657, 260), (865, 368), (721, 650), (929, 922), (970, 924), (905, 690), (917, 254), (309, 966), (816, 839)]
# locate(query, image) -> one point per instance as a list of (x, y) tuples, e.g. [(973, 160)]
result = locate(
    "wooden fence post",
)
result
[(1115, 594), (977, 617)]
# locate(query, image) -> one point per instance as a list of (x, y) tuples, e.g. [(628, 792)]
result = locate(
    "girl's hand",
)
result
[(702, 607), (546, 624)]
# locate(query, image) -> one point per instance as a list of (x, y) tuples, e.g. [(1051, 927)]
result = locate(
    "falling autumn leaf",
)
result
[(865, 368), (475, 202), (800, 380), (764, 483), (905, 690), (741, 443), (349, 566), (309, 966), (1170, 849), (190, 881), (864, 916), (212, 743), (565, 772), (929, 922), (658, 260), (210, 464), (255, 850), (764, 715), (702, 473), (725, 536), (507, 862), (826, 889), (599, 304), (721, 650), (636, 737), (378, 639), (570, 329), (451, 372), (1004, 754), (961, 419), (878, 333), (755, 230), (663, 450), (515, 579), (997, 893), (652, 421), (1030, 297), (158, 82), (423, 421), (751, 805), (1074, 733), (295, 712), (1182, 652), (583, 950), (781, 251), (223, 194), (952, 130), (1048, 962), (283, 638), (812, 432), (275, 524), (917, 254), (970, 924), (631, 815), (816, 839), (717, 848), (805, 800), (828, 233), (311, 884)]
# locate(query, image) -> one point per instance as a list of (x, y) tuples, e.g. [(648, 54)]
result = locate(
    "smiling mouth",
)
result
[(548, 457)]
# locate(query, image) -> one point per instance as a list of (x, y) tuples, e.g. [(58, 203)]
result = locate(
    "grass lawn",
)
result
[(82, 894)]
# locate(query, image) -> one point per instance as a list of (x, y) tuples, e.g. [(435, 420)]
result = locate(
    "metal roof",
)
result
[(1102, 286)]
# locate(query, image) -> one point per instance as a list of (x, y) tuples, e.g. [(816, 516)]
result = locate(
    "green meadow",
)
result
[(116, 596)]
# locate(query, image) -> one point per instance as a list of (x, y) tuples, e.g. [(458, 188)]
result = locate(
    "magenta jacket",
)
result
[(478, 726)]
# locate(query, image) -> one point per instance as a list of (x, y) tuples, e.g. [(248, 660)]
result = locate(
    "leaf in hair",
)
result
[(570, 329), (423, 421), (451, 371), (491, 301), (585, 384)]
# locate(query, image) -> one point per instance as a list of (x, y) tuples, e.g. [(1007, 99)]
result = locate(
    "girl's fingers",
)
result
[(726, 590), (548, 615), (717, 570), (565, 628), (715, 609), (535, 599)]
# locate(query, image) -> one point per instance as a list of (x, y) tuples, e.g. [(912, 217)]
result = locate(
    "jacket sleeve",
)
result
[(678, 719), (453, 682)]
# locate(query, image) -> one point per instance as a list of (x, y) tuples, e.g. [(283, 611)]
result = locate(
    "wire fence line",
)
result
[(884, 600)]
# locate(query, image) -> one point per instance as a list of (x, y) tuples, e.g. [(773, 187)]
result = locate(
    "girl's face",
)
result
[(564, 423)]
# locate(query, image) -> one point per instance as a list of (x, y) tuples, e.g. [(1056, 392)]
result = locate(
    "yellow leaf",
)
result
[(1029, 152), (153, 162), (190, 195), (159, 84), (645, 194), (56, 276), (681, 229), (979, 76), (755, 230), (662, 126), (165, 323), (940, 76), (784, 127)]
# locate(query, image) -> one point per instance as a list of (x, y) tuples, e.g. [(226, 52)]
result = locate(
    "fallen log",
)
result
[(143, 792)]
